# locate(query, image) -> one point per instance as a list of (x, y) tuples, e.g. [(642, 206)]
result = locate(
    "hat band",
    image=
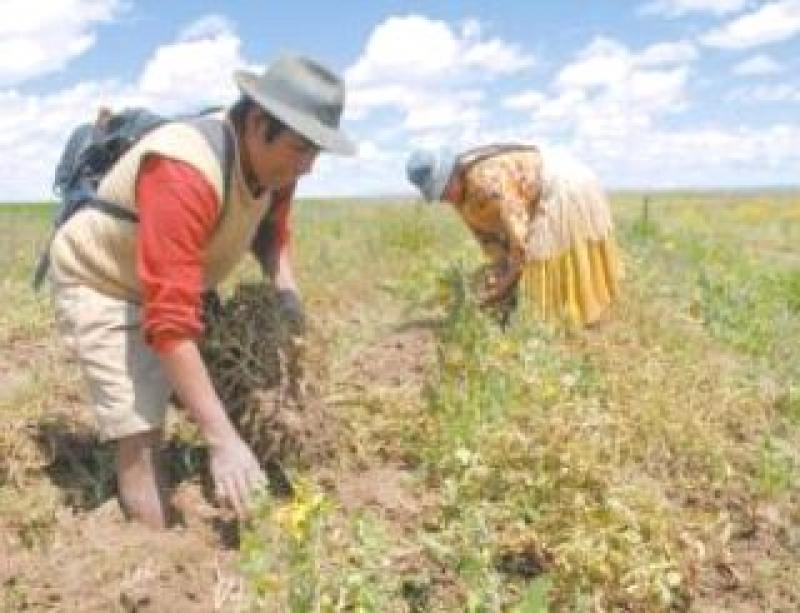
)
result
[(326, 111)]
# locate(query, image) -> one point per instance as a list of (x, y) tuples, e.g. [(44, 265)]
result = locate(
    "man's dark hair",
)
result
[(242, 107)]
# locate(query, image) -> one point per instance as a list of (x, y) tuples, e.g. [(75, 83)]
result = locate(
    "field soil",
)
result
[(84, 555), (424, 458)]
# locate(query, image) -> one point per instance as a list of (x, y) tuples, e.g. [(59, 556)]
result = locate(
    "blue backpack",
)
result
[(93, 148)]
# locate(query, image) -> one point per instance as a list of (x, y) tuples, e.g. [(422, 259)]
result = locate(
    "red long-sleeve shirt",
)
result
[(177, 215)]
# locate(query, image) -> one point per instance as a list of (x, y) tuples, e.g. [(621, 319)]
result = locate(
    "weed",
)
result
[(777, 472), (580, 472), (280, 549)]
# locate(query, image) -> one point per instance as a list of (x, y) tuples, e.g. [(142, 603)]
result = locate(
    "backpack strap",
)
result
[(469, 158), (109, 208), (220, 139), (219, 136)]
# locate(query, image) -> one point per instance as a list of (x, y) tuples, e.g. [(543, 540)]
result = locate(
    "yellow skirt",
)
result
[(574, 288)]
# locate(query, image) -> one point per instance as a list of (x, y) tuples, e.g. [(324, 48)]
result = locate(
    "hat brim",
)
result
[(326, 138), (438, 185)]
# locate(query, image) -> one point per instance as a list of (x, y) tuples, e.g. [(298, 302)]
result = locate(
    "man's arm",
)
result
[(271, 244), (283, 275), (234, 468), (177, 213), (272, 248)]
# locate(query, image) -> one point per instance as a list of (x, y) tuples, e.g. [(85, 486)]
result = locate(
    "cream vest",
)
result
[(99, 250)]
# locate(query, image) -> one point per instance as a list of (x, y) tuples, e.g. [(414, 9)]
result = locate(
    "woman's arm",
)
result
[(507, 194), (501, 285)]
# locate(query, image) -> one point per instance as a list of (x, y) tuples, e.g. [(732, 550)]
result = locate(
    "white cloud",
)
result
[(658, 91), (777, 93), (471, 28), (406, 48), (33, 130), (194, 71), (370, 151), (773, 22), (526, 100), (603, 63), (606, 62), (610, 102), (607, 76), (414, 48), (677, 8), (206, 27), (375, 171), (421, 109), (183, 76), (37, 38), (665, 54), (427, 71), (716, 157), (495, 56), (564, 106), (610, 95), (757, 65), (361, 101), (440, 112), (705, 156)]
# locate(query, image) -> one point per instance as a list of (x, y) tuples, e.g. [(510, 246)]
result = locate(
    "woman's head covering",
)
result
[(430, 171)]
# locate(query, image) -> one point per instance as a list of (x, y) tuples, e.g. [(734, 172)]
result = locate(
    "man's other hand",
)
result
[(291, 310)]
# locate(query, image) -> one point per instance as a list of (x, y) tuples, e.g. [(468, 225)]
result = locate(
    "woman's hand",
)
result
[(500, 283)]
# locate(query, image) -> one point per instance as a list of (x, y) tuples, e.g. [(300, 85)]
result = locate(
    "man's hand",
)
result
[(236, 473), (212, 307), (291, 310), (234, 468)]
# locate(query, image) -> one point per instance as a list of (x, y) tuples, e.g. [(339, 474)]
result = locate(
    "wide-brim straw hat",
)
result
[(305, 96)]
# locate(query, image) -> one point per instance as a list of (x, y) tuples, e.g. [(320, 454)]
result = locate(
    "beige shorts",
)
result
[(128, 386)]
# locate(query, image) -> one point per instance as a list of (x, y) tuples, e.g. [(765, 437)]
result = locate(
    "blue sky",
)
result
[(651, 93)]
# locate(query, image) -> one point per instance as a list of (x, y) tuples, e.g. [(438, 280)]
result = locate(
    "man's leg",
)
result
[(129, 390), (139, 478)]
